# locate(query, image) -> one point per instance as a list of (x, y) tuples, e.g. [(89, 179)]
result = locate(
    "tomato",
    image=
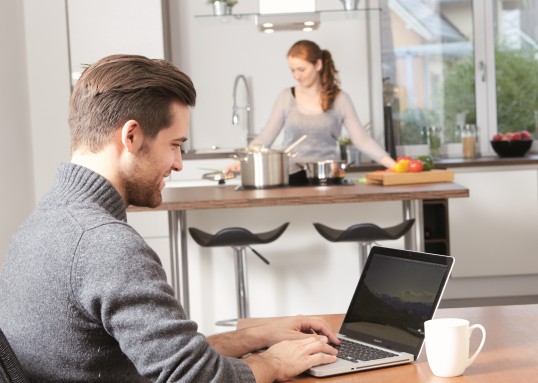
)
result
[(415, 166), (427, 163)]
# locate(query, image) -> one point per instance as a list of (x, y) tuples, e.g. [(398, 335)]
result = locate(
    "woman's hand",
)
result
[(233, 168), (387, 162)]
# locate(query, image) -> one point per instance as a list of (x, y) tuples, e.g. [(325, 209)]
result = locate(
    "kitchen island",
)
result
[(177, 201)]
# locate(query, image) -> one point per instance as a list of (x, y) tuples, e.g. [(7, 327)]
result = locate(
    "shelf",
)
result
[(436, 227), (324, 15)]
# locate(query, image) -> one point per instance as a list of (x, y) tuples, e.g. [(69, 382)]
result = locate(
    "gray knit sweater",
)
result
[(323, 130), (84, 298)]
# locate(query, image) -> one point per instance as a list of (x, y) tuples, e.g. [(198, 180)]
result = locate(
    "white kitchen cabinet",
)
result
[(494, 232)]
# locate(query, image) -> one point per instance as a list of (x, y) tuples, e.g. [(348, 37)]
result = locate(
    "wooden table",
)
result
[(178, 200), (510, 353)]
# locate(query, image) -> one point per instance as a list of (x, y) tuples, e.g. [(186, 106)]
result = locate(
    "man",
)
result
[(83, 297)]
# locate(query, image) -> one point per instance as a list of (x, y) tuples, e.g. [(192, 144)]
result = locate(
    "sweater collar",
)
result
[(76, 183)]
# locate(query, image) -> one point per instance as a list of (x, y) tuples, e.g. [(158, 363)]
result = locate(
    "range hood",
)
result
[(269, 23), (287, 15)]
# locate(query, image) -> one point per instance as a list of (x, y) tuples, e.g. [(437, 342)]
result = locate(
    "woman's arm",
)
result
[(275, 122), (361, 139), (271, 131)]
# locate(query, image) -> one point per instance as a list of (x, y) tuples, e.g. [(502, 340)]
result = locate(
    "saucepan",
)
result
[(262, 167), (325, 172)]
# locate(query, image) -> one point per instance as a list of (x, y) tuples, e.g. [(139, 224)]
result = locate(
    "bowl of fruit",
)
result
[(512, 144)]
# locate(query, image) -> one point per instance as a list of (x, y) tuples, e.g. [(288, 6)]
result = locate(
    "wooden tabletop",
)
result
[(228, 196), (510, 353)]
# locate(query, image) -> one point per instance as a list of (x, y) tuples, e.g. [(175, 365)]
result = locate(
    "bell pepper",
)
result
[(402, 166)]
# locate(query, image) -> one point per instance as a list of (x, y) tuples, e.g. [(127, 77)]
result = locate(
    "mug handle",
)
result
[(471, 328)]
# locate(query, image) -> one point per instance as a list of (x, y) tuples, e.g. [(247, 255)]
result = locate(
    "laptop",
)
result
[(397, 292)]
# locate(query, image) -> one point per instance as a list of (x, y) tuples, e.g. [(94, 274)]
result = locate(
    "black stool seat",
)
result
[(235, 236), (239, 239), (364, 232)]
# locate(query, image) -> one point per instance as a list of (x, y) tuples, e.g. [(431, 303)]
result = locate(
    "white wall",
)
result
[(213, 53), (17, 187), (49, 88)]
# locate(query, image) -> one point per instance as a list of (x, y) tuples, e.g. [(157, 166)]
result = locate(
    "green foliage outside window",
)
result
[(517, 97), (516, 85)]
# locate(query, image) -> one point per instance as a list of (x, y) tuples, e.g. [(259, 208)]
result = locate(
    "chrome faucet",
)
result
[(247, 108)]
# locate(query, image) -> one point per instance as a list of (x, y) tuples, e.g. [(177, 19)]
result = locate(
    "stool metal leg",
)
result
[(241, 279), (364, 250)]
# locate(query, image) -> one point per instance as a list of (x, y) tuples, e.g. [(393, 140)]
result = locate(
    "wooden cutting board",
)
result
[(393, 178)]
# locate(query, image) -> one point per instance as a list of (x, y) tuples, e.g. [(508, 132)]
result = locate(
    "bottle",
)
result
[(435, 141), (468, 140)]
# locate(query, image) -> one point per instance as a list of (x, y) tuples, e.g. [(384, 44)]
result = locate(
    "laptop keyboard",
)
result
[(355, 352)]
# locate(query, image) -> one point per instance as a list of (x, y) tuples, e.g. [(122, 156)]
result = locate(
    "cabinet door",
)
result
[(98, 28), (495, 231)]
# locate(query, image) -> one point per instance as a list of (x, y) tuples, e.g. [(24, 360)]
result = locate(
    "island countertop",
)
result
[(229, 196), (177, 201)]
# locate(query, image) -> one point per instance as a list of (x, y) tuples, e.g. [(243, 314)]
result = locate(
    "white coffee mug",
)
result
[(447, 345)]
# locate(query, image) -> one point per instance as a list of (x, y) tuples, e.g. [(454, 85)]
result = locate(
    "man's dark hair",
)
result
[(120, 88)]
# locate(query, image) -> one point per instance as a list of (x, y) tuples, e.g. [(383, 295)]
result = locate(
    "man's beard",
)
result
[(141, 190), (143, 193)]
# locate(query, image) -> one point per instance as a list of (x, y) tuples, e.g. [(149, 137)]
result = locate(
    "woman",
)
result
[(316, 106)]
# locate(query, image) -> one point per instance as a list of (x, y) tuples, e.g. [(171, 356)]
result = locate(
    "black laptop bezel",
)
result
[(443, 260)]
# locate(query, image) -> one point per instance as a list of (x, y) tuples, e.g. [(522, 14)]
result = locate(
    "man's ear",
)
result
[(132, 136)]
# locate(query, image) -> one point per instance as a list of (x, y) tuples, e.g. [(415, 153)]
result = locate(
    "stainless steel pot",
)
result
[(325, 172), (263, 167)]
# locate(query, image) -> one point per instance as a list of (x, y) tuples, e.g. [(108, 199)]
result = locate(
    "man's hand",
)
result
[(289, 358), (296, 327), (241, 342)]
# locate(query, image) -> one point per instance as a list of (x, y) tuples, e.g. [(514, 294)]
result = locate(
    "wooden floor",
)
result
[(499, 301)]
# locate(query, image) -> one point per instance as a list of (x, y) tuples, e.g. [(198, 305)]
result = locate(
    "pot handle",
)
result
[(245, 159)]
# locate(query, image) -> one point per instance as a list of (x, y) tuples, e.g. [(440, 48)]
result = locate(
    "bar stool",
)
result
[(238, 239), (365, 234)]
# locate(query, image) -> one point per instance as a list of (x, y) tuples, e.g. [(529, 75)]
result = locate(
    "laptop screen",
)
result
[(398, 291)]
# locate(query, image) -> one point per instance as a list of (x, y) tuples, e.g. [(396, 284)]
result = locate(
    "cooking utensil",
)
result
[(297, 142), (219, 176), (325, 172), (264, 167)]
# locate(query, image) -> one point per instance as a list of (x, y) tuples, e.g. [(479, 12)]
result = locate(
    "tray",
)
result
[(393, 178)]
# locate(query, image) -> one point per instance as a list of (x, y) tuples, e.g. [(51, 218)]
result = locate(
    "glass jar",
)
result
[(435, 140), (468, 140)]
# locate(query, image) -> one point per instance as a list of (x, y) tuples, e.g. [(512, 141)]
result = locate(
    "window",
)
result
[(447, 63)]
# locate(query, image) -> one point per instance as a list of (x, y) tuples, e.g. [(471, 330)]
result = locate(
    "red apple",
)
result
[(498, 137), (525, 135), (516, 136)]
